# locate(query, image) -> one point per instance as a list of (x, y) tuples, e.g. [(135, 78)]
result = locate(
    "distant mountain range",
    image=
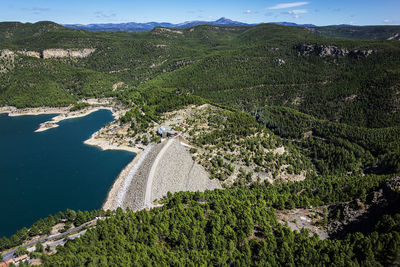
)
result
[(148, 26)]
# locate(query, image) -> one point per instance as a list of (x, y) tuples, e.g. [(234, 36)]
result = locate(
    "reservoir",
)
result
[(46, 172)]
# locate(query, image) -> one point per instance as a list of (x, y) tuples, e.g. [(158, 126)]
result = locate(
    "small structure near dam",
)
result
[(165, 132)]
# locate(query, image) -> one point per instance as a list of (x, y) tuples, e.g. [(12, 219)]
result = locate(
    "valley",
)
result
[(263, 144)]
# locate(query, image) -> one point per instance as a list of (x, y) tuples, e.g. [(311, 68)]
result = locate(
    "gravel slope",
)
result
[(176, 171), (135, 194), (162, 168)]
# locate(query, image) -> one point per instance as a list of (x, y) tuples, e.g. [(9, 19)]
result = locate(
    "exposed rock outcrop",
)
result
[(50, 53), (395, 36), (159, 30), (361, 216), (6, 53), (30, 53), (280, 61), (62, 53), (118, 85), (330, 50), (54, 53), (7, 59)]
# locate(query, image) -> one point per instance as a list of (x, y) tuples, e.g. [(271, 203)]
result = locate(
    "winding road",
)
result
[(10, 254)]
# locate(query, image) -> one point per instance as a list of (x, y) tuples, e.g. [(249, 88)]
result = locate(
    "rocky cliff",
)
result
[(62, 53), (7, 57), (30, 53), (330, 50), (59, 53)]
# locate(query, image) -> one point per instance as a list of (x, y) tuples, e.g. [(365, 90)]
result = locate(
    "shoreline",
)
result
[(62, 113), (13, 111), (133, 187), (103, 144), (53, 123), (116, 193), (113, 194)]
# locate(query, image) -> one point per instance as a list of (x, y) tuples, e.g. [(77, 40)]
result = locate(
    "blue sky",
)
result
[(319, 12)]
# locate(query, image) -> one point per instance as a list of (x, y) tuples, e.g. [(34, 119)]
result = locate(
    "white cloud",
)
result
[(248, 11), (36, 10), (195, 11), (102, 15), (387, 21), (288, 5), (295, 13)]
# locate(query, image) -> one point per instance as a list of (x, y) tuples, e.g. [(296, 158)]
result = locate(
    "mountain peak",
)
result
[(223, 19)]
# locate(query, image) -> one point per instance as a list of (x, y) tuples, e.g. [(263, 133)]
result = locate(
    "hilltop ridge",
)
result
[(148, 26), (342, 30)]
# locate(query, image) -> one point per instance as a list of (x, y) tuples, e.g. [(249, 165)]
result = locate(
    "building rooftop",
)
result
[(21, 258)]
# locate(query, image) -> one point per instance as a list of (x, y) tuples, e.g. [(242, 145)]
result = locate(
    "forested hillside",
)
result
[(336, 147), (245, 67), (13, 31), (332, 104), (236, 227), (357, 32)]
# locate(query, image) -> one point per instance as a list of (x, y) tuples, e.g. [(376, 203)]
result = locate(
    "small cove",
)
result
[(43, 173)]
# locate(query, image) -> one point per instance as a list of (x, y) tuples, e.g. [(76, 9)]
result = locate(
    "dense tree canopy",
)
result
[(235, 226)]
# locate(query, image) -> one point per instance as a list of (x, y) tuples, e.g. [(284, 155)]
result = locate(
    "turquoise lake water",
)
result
[(43, 173)]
